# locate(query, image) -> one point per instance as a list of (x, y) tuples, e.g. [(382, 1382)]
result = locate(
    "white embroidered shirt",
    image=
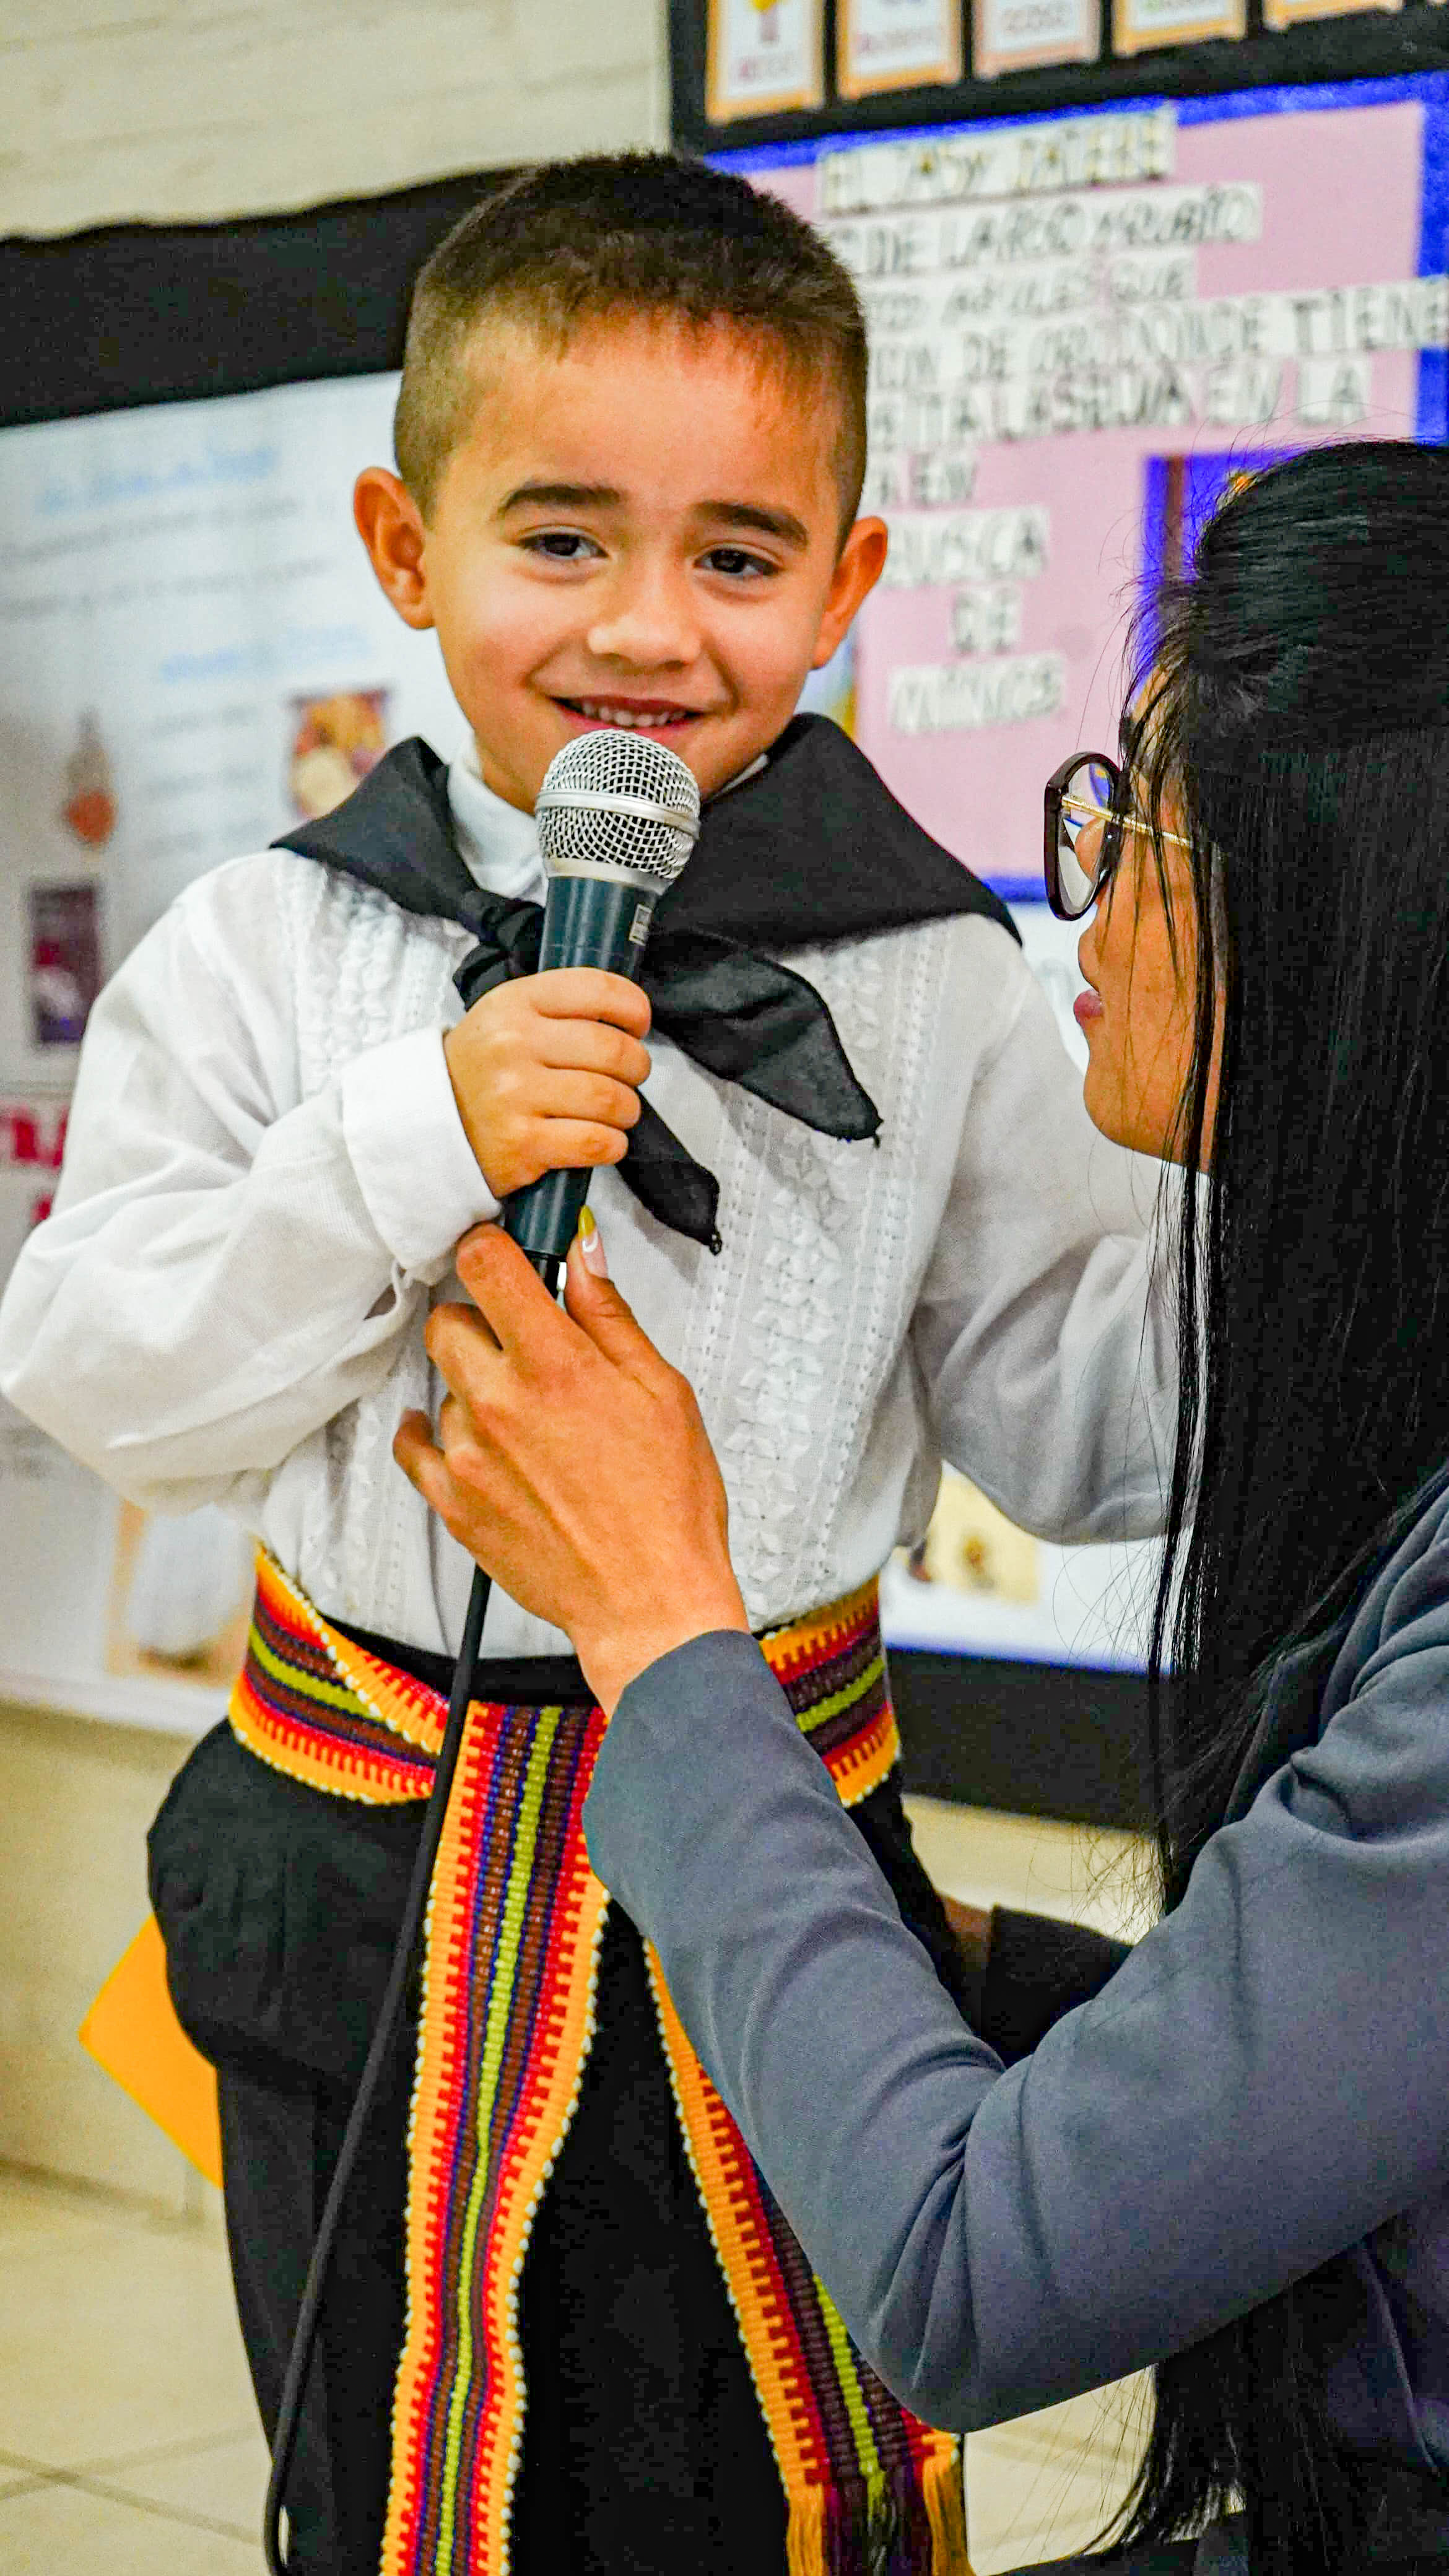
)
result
[(266, 1175)]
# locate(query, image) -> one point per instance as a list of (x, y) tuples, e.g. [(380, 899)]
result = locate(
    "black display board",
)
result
[(145, 313), (1052, 1740), (1364, 46)]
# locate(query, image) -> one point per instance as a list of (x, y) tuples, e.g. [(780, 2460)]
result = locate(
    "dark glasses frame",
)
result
[(1116, 818), (1110, 816)]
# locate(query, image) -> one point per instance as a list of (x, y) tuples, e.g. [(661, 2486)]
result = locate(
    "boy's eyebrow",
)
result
[(561, 496), (748, 514), (604, 496)]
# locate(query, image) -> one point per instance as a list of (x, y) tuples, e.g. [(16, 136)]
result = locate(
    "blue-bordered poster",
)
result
[(1081, 327)]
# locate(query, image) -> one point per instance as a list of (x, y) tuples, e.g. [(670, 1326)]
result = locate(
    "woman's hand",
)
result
[(570, 1460)]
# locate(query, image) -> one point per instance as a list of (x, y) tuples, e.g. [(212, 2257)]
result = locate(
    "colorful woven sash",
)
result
[(514, 1928)]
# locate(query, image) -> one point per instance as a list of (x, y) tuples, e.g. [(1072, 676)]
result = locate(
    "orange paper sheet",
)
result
[(132, 2031)]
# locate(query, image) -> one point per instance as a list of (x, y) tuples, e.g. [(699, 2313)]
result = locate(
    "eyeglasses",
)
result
[(1087, 792)]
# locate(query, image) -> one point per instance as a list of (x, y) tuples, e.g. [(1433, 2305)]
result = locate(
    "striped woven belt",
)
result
[(507, 2018)]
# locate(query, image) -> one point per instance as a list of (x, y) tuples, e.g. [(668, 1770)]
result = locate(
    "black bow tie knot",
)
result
[(740, 1015), (812, 847)]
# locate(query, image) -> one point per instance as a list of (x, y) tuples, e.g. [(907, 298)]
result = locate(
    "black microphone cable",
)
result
[(380, 2052)]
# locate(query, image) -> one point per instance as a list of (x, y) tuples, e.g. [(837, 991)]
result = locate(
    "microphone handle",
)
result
[(588, 921)]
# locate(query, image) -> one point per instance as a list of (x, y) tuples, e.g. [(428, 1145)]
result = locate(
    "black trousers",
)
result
[(645, 2452)]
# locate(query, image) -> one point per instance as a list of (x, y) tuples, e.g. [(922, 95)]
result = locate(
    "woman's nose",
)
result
[(1089, 846)]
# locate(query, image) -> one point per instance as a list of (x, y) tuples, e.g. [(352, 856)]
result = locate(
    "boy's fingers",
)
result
[(591, 1046), (576, 1145), (587, 993), (591, 1097)]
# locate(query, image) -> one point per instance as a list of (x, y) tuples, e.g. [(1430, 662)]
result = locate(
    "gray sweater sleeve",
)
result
[(1263, 2081)]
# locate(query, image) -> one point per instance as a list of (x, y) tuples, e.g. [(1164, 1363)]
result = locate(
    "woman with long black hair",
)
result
[(1226, 2152)]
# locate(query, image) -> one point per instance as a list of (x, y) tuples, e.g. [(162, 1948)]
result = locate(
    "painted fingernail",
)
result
[(591, 1245)]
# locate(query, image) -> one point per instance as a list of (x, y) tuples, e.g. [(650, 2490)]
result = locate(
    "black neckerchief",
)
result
[(813, 848)]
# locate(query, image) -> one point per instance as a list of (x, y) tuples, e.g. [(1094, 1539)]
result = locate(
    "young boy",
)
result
[(630, 441)]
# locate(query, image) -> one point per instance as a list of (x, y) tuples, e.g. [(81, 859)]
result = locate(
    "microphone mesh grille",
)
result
[(616, 800)]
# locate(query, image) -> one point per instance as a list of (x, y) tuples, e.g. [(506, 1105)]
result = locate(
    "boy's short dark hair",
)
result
[(649, 233)]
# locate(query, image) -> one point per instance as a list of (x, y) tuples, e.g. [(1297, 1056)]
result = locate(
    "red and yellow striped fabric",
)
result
[(514, 1927)]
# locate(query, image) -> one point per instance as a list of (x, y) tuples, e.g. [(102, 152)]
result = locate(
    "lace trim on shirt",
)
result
[(800, 1321), (367, 973)]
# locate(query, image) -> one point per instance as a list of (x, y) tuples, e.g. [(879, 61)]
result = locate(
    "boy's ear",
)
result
[(391, 527), (858, 567)]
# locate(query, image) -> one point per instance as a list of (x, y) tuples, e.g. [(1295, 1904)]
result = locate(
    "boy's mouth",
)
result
[(631, 715)]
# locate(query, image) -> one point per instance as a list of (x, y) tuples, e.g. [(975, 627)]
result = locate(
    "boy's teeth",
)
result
[(627, 717)]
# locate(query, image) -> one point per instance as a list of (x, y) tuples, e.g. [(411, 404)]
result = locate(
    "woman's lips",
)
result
[(1087, 1006)]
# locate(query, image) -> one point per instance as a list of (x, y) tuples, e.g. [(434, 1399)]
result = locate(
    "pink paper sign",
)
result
[(1080, 328)]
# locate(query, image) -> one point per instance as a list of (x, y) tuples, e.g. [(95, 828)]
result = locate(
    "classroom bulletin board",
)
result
[(1083, 323)]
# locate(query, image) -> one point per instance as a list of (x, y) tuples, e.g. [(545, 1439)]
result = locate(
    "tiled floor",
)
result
[(129, 2444), (128, 2439)]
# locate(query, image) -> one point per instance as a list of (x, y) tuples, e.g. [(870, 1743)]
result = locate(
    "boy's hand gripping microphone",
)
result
[(617, 818)]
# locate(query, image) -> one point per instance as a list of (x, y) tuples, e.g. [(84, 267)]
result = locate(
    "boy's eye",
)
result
[(562, 545), (737, 562)]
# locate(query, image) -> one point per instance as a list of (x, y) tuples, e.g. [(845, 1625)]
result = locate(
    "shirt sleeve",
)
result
[(1042, 1330), (1262, 2082), (227, 1265)]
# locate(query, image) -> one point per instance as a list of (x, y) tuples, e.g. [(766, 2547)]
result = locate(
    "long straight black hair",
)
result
[(1292, 702)]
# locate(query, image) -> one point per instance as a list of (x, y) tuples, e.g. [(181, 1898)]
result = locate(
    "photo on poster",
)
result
[(764, 56), (334, 738), (1025, 35), (89, 807), (65, 962), (896, 44)]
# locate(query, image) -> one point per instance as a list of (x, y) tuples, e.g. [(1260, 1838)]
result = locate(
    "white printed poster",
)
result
[(193, 654), (764, 56), (1024, 35), (896, 44)]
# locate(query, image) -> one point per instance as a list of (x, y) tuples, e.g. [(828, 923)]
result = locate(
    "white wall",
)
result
[(76, 1798), (190, 110)]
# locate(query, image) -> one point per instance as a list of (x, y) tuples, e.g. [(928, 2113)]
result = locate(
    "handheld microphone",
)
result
[(617, 818)]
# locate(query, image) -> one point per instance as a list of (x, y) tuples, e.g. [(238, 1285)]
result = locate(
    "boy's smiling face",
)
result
[(641, 529)]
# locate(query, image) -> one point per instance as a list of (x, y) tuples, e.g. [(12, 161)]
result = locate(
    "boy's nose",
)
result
[(647, 623)]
